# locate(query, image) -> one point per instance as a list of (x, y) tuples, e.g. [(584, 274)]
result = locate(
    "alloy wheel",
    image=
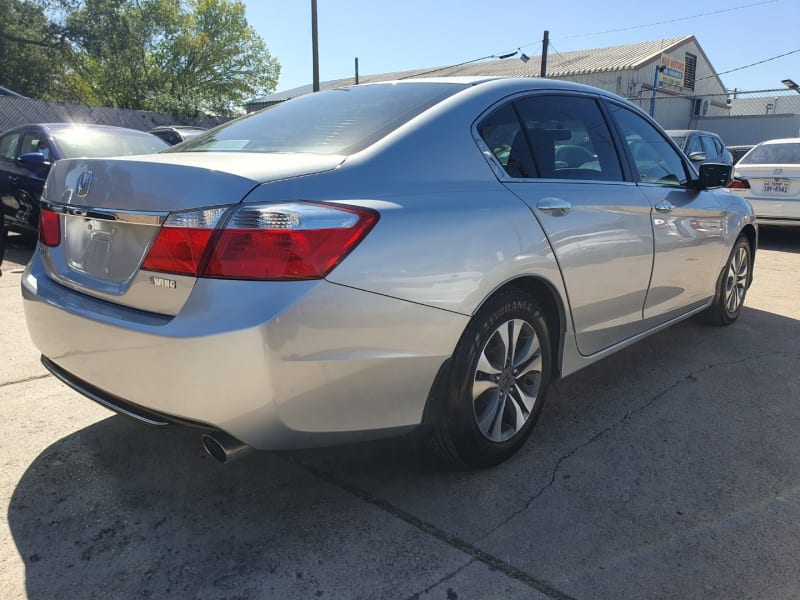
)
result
[(507, 379), (736, 280)]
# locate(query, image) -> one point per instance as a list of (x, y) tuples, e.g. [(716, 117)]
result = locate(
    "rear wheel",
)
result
[(499, 378), (3, 236), (732, 285)]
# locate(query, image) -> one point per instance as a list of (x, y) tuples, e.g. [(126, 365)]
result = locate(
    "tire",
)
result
[(496, 389), (3, 236), (732, 285)]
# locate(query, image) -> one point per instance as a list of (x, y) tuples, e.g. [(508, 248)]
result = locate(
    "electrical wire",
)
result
[(760, 62), (706, 14)]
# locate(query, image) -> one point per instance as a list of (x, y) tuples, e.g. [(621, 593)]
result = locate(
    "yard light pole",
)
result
[(659, 69), (791, 85)]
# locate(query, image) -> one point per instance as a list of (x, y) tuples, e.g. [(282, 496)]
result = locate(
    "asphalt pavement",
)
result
[(669, 470)]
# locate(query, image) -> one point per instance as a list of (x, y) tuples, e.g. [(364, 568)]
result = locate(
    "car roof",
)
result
[(688, 131), (178, 128), (782, 141), (63, 126)]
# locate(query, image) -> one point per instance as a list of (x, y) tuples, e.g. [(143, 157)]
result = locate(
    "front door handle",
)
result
[(665, 207), (13, 178), (555, 206)]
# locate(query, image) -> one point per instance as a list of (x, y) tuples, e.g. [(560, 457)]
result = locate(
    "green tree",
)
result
[(30, 48), (179, 56)]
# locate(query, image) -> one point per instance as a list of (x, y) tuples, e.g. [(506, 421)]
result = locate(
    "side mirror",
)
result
[(32, 160), (713, 175), (697, 156)]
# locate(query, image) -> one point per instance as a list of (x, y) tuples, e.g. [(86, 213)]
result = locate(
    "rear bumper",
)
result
[(274, 364), (776, 212)]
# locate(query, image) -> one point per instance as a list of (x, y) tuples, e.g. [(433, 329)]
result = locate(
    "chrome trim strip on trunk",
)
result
[(123, 216)]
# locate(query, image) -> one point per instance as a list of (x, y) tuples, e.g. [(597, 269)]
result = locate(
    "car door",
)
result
[(559, 158), (30, 181), (21, 185), (9, 143), (688, 224)]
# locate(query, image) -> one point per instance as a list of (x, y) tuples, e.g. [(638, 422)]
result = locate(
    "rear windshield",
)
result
[(773, 154), (87, 142), (339, 121)]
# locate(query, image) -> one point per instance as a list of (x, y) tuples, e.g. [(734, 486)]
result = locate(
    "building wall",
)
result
[(675, 105), (752, 129)]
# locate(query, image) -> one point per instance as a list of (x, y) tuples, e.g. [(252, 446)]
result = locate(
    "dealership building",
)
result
[(674, 75)]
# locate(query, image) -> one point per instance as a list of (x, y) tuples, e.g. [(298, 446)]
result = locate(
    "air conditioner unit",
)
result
[(700, 107)]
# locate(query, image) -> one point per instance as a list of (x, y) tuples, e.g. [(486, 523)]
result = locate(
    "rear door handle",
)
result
[(555, 206), (665, 207)]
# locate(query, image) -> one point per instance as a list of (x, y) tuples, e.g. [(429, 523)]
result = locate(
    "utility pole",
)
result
[(659, 69), (314, 44), (356, 70), (545, 44)]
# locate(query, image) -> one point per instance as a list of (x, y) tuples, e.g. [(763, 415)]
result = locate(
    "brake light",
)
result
[(298, 240), (49, 228), (739, 184)]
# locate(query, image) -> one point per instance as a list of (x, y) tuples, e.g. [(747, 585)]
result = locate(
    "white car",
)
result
[(769, 178)]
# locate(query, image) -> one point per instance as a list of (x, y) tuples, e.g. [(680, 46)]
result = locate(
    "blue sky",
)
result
[(394, 36)]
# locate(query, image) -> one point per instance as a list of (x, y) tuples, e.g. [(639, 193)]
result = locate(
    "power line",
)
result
[(706, 14), (760, 62)]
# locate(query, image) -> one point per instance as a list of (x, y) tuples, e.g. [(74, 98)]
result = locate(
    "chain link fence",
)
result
[(19, 111)]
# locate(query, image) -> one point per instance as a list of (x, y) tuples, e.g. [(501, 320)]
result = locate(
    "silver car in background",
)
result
[(369, 260)]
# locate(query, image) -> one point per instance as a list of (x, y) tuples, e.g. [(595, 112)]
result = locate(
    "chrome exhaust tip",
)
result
[(223, 447)]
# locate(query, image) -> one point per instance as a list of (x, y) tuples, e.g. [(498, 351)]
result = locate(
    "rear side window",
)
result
[(555, 137), (502, 132), (8, 145), (339, 121), (569, 138), (710, 147), (773, 154)]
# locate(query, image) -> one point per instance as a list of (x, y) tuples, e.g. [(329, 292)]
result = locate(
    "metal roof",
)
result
[(577, 62)]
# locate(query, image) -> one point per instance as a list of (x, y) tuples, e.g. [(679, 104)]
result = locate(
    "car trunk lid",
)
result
[(108, 212)]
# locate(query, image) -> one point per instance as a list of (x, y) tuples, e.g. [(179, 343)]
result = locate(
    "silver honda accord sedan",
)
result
[(422, 254)]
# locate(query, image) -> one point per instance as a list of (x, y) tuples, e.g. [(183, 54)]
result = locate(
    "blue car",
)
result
[(28, 152)]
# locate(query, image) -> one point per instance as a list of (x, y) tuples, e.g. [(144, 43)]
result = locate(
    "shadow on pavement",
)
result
[(18, 252), (628, 488), (783, 239)]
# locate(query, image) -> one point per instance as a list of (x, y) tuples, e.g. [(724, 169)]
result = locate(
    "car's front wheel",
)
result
[(732, 285), (499, 378)]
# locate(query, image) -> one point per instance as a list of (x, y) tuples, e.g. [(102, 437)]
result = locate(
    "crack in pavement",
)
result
[(451, 540), (442, 580), (26, 380), (691, 377)]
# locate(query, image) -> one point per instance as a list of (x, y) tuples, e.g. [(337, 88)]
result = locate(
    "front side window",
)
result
[(655, 159), (693, 145), (31, 142)]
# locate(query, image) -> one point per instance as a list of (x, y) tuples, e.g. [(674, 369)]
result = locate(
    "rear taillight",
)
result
[(49, 228), (739, 184), (298, 240)]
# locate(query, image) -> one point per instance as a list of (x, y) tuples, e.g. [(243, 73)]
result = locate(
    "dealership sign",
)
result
[(672, 75)]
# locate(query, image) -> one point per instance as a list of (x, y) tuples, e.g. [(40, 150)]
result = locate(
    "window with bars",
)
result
[(690, 71)]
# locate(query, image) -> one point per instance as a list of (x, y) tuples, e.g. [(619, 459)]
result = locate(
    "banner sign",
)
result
[(672, 75)]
